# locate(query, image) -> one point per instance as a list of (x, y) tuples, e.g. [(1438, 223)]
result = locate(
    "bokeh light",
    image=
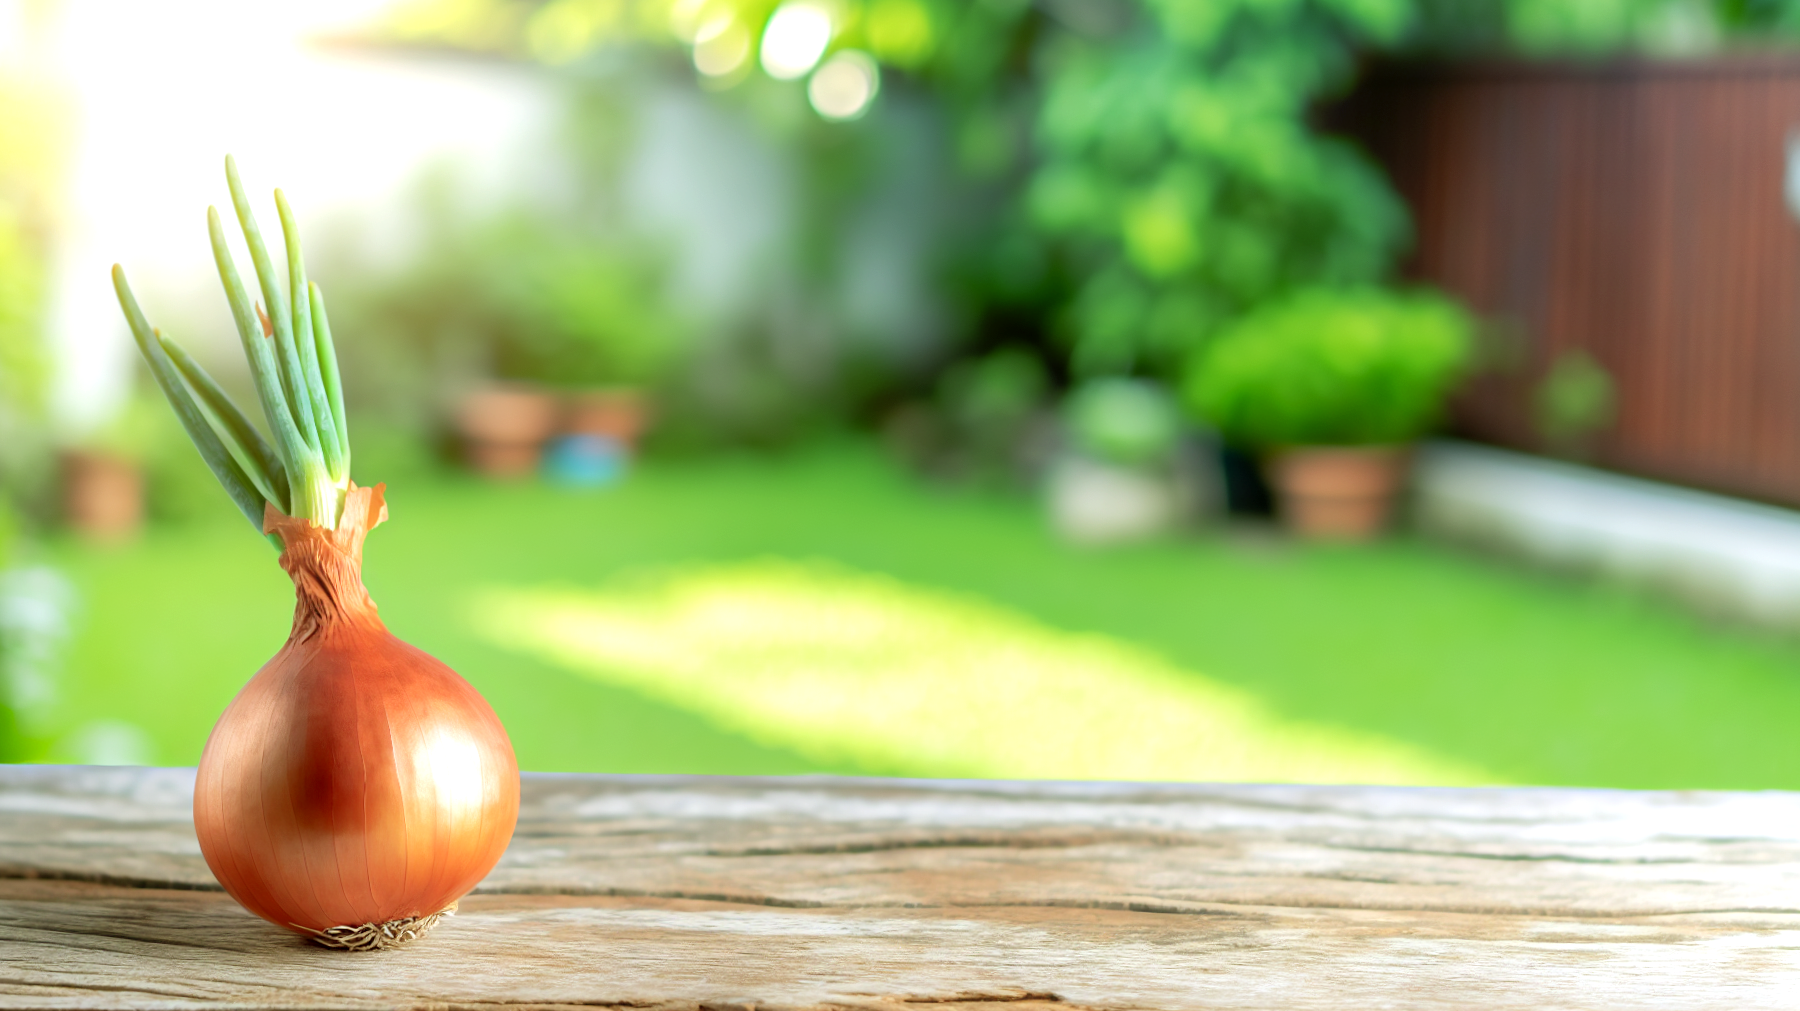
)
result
[(686, 18), (794, 39), (845, 86), (720, 46)]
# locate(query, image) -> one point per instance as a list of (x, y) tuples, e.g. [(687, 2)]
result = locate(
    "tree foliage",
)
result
[(1153, 165), (1179, 172)]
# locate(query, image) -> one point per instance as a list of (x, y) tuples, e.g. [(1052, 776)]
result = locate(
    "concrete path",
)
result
[(1727, 555)]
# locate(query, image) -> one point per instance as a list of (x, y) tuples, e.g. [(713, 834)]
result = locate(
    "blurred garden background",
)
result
[(1077, 389)]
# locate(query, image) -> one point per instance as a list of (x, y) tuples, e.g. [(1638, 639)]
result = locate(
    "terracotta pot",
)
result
[(102, 495), (504, 428), (1338, 492), (616, 414)]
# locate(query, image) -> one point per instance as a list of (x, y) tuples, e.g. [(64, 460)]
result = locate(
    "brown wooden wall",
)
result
[(1634, 210)]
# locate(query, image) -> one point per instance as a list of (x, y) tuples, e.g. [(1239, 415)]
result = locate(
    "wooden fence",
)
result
[(1634, 210)]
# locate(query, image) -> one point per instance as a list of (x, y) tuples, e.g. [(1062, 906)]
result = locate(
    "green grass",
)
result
[(1398, 652)]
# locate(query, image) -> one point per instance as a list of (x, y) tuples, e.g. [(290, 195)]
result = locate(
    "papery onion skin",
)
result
[(356, 779)]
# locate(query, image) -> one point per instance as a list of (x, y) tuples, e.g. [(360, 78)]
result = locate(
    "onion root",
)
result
[(375, 936)]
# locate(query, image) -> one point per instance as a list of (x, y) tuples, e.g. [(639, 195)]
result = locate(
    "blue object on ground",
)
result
[(585, 461)]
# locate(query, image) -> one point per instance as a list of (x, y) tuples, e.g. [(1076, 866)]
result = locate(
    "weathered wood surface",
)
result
[(677, 892)]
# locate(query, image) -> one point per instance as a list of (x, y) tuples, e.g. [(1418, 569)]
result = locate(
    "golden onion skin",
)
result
[(356, 779)]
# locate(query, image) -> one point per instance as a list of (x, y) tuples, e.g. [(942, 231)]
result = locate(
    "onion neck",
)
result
[(325, 564), (318, 497)]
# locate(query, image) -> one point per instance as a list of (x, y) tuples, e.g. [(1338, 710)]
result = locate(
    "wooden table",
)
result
[(707, 893)]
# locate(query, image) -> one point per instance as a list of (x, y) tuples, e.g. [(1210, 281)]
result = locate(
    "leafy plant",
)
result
[(575, 313), (1181, 177), (1128, 421), (144, 435), (1574, 402), (985, 422), (518, 297), (178, 486), (1332, 367)]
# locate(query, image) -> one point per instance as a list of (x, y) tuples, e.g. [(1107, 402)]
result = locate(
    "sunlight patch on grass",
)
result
[(850, 667)]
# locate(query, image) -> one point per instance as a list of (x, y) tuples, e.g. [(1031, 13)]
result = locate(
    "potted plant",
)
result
[(546, 329), (504, 427), (585, 328), (102, 493), (1331, 386), (104, 477), (1122, 474)]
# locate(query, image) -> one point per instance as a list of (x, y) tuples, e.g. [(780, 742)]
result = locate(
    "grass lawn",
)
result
[(820, 611)]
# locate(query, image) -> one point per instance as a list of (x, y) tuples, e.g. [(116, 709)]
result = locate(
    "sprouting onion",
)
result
[(356, 788)]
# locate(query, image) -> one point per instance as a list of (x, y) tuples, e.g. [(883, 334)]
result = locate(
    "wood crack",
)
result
[(1194, 907), (1567, 858), (985, 998), (89, 984), (85, 932), (14, 872), (952, 842), (641, 893)]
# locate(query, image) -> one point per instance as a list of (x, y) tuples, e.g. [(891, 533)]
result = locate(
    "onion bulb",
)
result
[(356, 788)]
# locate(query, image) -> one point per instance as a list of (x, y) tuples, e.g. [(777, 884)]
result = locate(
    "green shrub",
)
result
[(1574, 402), (984, 423), (1332, 367), (1128, 421), (518, 296), (579, 314)]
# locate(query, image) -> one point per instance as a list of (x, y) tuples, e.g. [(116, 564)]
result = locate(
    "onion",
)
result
[(356, 788)]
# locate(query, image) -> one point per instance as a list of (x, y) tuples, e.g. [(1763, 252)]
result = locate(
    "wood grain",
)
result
[(681, 892)]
